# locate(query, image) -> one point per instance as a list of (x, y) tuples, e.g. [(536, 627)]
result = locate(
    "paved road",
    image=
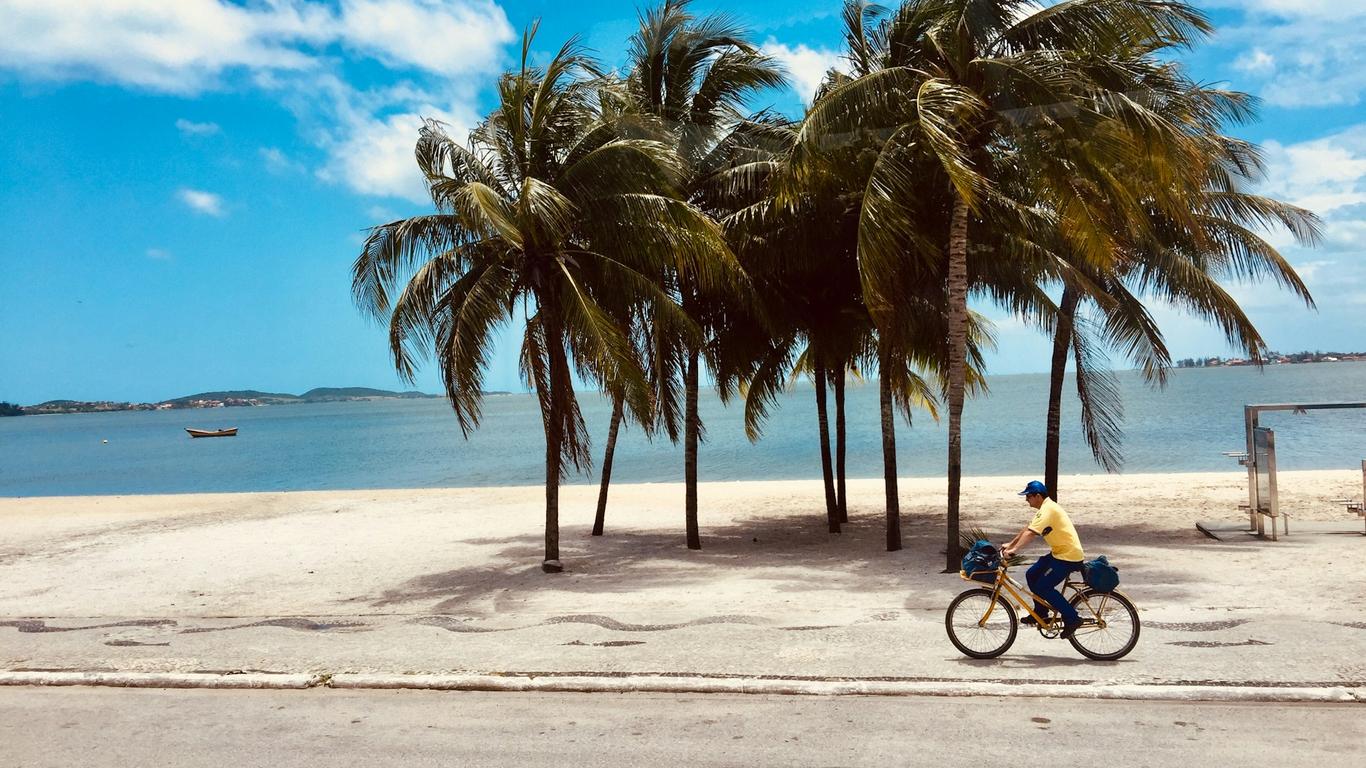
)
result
[(103, 728)]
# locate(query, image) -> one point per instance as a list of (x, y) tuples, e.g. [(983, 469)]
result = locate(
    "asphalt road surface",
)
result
[(103, 727)]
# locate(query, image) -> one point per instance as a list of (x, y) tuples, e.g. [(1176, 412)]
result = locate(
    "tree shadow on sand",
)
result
[(793, 554)]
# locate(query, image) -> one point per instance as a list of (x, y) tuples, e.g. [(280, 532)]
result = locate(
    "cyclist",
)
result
[(1065, 556)]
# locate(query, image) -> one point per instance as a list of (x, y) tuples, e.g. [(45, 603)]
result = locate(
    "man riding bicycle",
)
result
[(1065, 556)]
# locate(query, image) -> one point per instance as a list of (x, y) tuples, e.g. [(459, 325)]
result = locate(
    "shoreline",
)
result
[(920, 482), (1160, 503)]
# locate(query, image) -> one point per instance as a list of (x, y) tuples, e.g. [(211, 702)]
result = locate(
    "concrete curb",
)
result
[(687, 685), (163, 679), (651, 684)]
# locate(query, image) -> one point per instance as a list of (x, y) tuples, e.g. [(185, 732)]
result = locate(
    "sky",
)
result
[(184, 185)]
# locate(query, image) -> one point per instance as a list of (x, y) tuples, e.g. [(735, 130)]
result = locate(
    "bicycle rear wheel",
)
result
[(975, 637), (1109, 627)]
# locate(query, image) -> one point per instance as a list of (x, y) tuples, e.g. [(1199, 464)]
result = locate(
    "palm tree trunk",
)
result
[(958, 340), (841, 492), (884, 386), (691, 427), (607, 465), (554, 439), (832, 513), (1062, 342)]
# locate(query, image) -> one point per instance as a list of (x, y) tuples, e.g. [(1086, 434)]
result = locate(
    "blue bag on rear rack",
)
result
[(981, 561), (1099, 575)]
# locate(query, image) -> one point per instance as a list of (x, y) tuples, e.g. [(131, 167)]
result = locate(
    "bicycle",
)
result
[(1109, 622)]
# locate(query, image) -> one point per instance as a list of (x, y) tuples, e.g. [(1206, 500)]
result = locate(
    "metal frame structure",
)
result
[(1359, 507), (1259, 508), (1265, 500)]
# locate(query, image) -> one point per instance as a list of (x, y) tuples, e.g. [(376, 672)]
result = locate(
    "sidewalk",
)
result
[(369, 588)]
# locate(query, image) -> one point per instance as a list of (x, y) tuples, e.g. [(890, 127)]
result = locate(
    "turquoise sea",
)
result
[(417, 444)]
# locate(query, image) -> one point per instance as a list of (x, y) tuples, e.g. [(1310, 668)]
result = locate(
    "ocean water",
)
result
[(417, 443)]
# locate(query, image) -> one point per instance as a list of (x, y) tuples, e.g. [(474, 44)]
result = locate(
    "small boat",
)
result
[(212, 432)]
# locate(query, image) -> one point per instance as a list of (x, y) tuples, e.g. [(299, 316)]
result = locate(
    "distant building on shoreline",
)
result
[(1272, 358)]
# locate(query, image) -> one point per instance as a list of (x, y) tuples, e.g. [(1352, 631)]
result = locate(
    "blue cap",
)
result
[(1034, 487)]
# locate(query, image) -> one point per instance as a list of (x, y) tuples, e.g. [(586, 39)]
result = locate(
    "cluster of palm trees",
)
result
[(644, 225)]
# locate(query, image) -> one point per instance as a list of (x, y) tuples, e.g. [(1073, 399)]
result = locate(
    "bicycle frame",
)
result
[(1014, 590)]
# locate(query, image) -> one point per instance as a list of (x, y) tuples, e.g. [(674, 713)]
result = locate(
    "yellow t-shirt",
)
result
[(1055, 527)]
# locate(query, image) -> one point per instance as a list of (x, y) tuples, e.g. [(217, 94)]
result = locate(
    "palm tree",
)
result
[(1177, 259), (599, 519), (550, 214), (797, 235), (651, 332), (971, 85), (797, 246), (645, 328), (693, 76)]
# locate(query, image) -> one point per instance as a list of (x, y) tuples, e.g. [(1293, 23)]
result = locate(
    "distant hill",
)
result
[(323, 394), (221, 399), (237, 394)]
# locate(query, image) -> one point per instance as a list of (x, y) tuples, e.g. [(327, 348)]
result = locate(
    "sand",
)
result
[(390, 580), (473, 550)]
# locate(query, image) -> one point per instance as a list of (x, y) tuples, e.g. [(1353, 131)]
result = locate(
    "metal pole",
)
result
[(1271, 481), (1250, 424)]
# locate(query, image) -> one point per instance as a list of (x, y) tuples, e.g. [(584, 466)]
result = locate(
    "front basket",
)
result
[(986, 577)]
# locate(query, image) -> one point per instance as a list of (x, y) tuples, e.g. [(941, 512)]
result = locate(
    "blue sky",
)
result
[(183, 185)]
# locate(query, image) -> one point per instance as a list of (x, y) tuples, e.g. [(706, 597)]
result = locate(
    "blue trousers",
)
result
[(1044, 577)]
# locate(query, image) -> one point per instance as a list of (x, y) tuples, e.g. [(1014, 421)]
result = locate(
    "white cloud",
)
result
[(1256, 61), (204, 202), (190, 128), (1327, 175), (159, 254), (1322, 174), (369, 135), (178, 47), (807, 66), (188, 45), (436, 35), (433, 54), (1345, 229), (1300, 53), (278, 162), (374, 156), (1288, 8)]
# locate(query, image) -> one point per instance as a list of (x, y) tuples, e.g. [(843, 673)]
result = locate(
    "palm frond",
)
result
[(1102, 405), (392, 251), (465, 318), (975, 533)]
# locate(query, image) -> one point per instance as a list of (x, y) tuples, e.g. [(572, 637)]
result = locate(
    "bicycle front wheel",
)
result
[(1109, 627), (975, 633)]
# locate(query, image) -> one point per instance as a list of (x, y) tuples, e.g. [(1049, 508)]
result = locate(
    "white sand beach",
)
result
[(434, 580), (338, 552)]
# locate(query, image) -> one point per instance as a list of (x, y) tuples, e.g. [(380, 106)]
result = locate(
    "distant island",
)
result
[(227, 399), (1272, 358)]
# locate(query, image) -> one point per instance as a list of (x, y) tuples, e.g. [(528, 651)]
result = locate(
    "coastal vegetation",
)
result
[(564, 211), (10, 409), (1057, 162)]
